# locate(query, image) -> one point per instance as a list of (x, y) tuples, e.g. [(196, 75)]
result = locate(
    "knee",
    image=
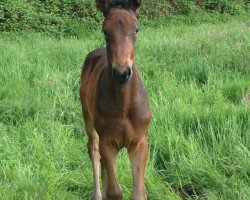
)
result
[(93, 147), (93, 142), (139, 145)]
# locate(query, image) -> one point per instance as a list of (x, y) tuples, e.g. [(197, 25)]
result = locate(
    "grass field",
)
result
[(198, 81)]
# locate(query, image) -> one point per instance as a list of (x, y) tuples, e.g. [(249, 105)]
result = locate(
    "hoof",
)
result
[(114, 197), (139, 197)]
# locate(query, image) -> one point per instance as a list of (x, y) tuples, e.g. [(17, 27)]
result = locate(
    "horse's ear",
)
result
[(102, 5), (135, 4)]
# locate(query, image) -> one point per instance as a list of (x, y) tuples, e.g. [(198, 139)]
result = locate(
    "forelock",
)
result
[(119, 3)]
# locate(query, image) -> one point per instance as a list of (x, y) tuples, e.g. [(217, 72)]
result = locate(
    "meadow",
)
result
[(198, 81)]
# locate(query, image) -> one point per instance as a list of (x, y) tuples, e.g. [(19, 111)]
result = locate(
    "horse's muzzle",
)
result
[(124, 77)]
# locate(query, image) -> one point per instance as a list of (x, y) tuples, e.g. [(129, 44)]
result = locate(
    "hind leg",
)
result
[(93, 149)]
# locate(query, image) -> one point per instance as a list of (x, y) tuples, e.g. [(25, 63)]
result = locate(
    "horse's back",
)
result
[(94, 64)]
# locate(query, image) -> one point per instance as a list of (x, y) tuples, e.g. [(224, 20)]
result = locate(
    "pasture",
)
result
[(198, 81)]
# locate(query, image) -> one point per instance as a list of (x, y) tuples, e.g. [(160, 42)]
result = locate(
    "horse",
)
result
[(115, 106)]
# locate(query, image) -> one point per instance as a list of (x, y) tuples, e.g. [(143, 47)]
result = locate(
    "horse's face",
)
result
[(120, 28)]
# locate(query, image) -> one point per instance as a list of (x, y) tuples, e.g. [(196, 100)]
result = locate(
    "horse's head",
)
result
[(120, 28)]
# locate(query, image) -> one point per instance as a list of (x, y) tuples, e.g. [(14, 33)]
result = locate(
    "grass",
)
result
[(197, 78)]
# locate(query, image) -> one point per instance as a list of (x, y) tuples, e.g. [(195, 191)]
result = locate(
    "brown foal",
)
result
[(115, 106)]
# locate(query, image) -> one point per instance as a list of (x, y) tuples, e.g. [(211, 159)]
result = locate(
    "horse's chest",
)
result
[(124, 127), (111, 124)]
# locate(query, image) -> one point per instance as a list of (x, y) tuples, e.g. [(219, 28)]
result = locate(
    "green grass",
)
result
[(197, 78)]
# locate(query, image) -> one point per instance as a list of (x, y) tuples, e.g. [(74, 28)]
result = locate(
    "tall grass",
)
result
[(197, 78)]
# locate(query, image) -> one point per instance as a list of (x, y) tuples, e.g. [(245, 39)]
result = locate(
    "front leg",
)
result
[(138, 154), (112, 190)]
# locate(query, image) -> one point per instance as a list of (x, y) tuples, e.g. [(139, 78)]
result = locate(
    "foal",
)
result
[(115, 106)]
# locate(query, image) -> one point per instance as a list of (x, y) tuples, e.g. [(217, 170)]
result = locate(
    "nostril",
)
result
[(129, 72), (114, 73)]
